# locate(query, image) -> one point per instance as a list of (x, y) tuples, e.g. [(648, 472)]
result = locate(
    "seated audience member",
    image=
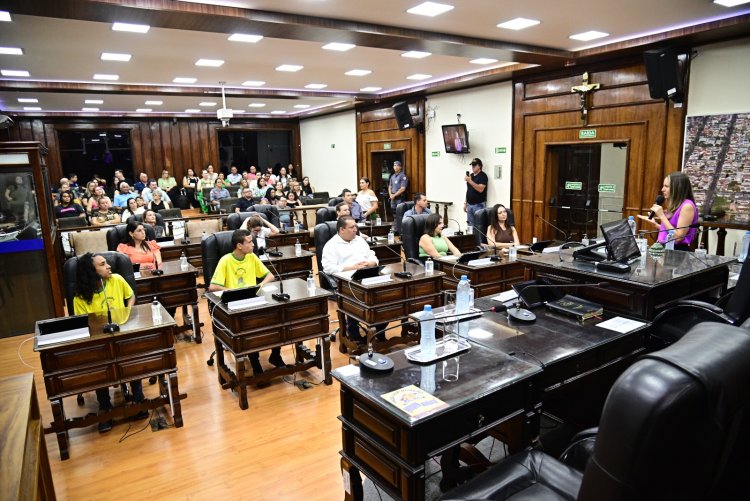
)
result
[(140, 202), (157, 204), (219, 192), (141, 183), (342, 209), (354, 208), (97, 288), (234, 176), (95, 199), (223, 179), (149, 217), (168, 184), (499, 233), (105, 215), (67, 207), (148, 192), (348, 251), (121, 199), (286, 215), (306, 187), (420, 205), (245, 202), (242, 268), (260, 229), (73, 180), (190, 185), (243, 184), (433, 243), (118, 179), (132, 209), (260, 189), (253, 174), (139, 250), (292, 200), (213, 176), (205, 181), (283, 178)]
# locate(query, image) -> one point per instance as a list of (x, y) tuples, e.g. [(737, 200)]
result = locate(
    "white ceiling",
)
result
[(63, 52)]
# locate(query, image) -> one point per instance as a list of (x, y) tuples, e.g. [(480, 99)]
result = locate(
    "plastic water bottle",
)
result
[(463, 304), (670, 240), (512, 253), (429, 266), (745, 246), (427, 328), (631, 223), (391, 237), (310, 283), (204, 235), (585, 240), (297, 227), (183, 261), (297, 248), (378, 221), (156, 311)]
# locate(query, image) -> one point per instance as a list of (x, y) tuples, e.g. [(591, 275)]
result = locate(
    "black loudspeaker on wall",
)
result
[(663, 73), (403, 116)]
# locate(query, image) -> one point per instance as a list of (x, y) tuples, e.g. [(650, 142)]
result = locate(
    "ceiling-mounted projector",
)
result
[(224, 114)]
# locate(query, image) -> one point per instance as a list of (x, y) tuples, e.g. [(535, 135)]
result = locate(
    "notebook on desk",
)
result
[(229, 296), (469, 256), (370, 271)]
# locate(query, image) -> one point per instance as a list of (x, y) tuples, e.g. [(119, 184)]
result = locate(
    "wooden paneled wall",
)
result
[(547, 113), (174, 144), (377, 130)]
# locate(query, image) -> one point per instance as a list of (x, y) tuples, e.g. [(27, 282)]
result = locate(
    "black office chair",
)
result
[(119, 235), (226, 205), (139, 218), (168, 214), (313, 201), (213, 247), (321, 194), (270, 211), (325, 214), (322, 233), (482, 222), (333, 202), (412, 229), (674, 426), (71, 222), (236, 219), (733, 308), (399, 216)]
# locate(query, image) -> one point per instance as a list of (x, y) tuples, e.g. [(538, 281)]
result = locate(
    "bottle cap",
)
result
[(464, 277), (428, 307)]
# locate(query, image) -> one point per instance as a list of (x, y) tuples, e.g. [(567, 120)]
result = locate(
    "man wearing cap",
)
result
[(476, 190), (397, 185)]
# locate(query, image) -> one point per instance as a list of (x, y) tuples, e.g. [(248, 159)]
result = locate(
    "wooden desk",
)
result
[(464, 242), (140, 349), (375, 230), (487, 279), (289, 265), (175, 288), (192, 250), (733, 222), (25, 473), (385, 252), (386, 302), (305, 210), (289, 238), (644, 291), (256, 328)]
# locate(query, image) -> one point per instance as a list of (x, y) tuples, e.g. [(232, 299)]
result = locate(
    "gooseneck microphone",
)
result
[(659, 201), (458, 232), (156, 270), (523, 315), (399, 274), (565, 235), (278, 296), (494, 256), (110, 326)]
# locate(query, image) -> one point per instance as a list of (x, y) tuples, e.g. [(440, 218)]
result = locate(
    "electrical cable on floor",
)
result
[(125, 435)]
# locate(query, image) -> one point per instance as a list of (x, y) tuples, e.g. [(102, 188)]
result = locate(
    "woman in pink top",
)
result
[(680, 213), (138, 249)]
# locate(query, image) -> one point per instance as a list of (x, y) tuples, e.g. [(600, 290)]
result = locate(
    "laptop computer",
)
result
[(165, 239), (371, 271), (469, 256), (536, 296), (239, 294), (540, 245), (63, 329)]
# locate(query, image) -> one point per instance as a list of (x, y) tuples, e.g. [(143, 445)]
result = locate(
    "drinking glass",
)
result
[(450, 369)]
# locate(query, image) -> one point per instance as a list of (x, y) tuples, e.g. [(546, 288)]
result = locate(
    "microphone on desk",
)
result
[(156, 270), (458, 232), (404, 273), (278, 296), (523, 315), (494, 256), (659, 201), (110, 326), (565, 235)]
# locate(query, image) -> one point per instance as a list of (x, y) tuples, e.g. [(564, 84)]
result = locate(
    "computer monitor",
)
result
[(621, 245)]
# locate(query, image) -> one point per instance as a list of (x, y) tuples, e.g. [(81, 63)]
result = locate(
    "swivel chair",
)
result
[(482, 219), (674, 426), (325, 214), (323, 233), (168, 214), (226, 205), (119, 235), (399, 216), (270, 211), (237, 219), (71, 222), (159, 218), (412, 229), (213, 247), (333, 202)]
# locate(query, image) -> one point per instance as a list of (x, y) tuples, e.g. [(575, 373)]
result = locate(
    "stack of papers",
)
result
[(246, 303), (505, 296)]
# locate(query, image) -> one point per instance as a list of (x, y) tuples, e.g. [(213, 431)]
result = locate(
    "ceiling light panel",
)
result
[(28, 100), (253, 83), (256, 105), (93, 101), (316, 86), (89, 109), (731, 3), (105, 76), (131, 28), (32, 108), (184, 80), (154, 103), (114, 56), (212, 63), (192, 110), (418, 76), (415, 54), (589, 35), (290, 68), (340, 47), (207, 103), (4, 16), (518, 23), (483, 60), (242, 37), (358, 73), (370, 89), (143, 110), (430, 9), (11, 51), (14, 73)]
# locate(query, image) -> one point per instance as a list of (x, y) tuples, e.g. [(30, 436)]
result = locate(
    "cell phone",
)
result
[(467, 172)]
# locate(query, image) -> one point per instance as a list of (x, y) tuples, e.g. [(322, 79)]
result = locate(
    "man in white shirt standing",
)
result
[(348, 251)]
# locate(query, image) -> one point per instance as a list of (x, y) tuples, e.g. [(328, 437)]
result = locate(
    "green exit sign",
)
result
[(573, 185), (435, 153), (607, 188), (386, 146), (587, 134), (501, 149)]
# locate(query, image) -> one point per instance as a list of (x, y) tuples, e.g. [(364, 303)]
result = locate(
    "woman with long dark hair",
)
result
[(367, 199), (500, 234), (138, 249), (433, 243), (307, 188), (190, 185), (680, 211)]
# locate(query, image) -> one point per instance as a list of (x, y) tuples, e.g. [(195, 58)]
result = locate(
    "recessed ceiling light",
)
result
[(132, 28), (370, 89), (357, 73), (93, 101), (278, 112), (103, 76), (418, 76), (143, 110), (238, 111), (4, 16), (341, 47), (253, 83), (154, 103), (415, 54), (89, 109), (184, 80), (731, 3), (518, 23), (588, 36), (14, 73), (28, 100), (11, 51), (32, 108), (256, 105), (430, 9), (483, 60), (316, 86), (95, 140), (301, 106), (192, 110), (113, 56), (103, 134), (207, 103), (242, 37), (289, 67), (213, 63)]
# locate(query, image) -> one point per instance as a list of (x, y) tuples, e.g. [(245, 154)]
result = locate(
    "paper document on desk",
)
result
[(449, 258), (550, 250), (505, 296), (346, 275), (414, 401), (621, 325)]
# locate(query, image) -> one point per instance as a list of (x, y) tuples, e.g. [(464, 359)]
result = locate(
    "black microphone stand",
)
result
[(110, 326), (494, 256), (400, 274), (278, 296), (458, 233), (565, 235)]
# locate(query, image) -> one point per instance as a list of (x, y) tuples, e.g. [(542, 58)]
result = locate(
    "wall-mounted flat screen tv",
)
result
[(456, 138)]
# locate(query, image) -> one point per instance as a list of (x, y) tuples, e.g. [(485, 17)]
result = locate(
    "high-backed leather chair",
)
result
[(270, 211), (227, 204), (412, 229), (71, 222), (158, 215), (314, 201), (119, 235), (333, 202), (323, 233), (482, 222), (213, 248), (120, 264), (169, 214), (321, 194), (236, 220), (399, 216), (674, 426), (325, 214)]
